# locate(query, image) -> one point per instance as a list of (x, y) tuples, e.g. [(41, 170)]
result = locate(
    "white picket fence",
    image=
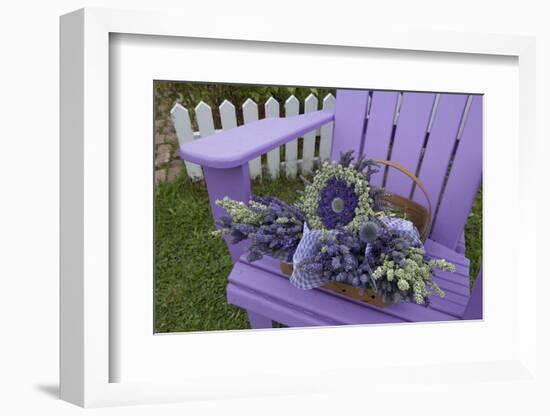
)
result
[(275, 166)]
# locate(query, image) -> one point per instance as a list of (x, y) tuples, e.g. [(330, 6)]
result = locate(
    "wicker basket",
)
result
[(342, 289), (416, 213)]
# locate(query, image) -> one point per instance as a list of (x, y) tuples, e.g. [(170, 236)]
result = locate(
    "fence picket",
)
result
[(205, 119), (326, 131), (273, 156), (250, 114), (310, 104), (184, 132), (292, 108), (227, 115)]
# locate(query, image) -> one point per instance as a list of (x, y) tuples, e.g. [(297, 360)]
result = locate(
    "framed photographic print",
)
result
[(286, 213), (305, 218)]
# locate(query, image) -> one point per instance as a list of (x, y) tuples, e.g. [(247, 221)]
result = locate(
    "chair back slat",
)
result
[(450, 167), (349, 121), (440, 146), (463, 180), (379, 129), (410, 133)]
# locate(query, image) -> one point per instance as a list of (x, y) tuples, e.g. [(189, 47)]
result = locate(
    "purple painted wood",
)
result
[(460, 278), (258, 321), (474, 309), (405, 312), (440, 146), (379, 129), (461, 245), (259, 288), (463, 182), (263, 287), (235, 147), (234, 183), (278, 311), (349, 121), (435, 249), (456, 285), (445, 306), (410, 133)]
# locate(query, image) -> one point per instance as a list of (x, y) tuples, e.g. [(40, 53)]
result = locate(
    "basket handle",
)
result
[(418, 183)]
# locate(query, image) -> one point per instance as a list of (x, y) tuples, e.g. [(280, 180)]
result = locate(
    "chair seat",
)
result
[(262, 288)]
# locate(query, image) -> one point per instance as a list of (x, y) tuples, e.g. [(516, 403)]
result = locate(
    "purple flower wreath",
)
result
[(337, 203)]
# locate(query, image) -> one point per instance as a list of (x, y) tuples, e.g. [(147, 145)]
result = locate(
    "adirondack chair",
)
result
[(450, 169)]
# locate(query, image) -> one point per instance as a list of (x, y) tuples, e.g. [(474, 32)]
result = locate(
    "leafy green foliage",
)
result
[(189, 94)]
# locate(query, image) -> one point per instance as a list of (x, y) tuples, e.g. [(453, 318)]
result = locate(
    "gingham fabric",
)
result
[(306, 248), (309, 244), (405, 229)]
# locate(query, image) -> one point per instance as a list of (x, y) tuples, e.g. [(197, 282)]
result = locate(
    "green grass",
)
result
[(473, 236), (191, 266)]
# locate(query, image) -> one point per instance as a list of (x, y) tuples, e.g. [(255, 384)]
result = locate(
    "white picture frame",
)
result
[(86, 355)]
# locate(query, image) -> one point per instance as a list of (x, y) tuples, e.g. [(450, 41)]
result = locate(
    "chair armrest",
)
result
[(235, 147)]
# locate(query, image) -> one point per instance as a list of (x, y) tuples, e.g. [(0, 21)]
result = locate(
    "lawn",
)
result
[(191, 266), (474, 248)]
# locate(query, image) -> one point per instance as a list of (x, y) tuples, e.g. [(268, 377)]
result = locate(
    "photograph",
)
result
[(289, 206)]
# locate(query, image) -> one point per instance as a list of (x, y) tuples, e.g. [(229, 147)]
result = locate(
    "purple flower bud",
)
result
[(368, 232)]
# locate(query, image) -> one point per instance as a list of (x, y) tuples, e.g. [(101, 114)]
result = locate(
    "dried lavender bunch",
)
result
[(390, 242), (273, 227), (338, 256), (410, 282), (401, 271), (362, 163)]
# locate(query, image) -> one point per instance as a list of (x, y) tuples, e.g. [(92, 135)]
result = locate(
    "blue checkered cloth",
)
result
[(309, 245), (404, 228)]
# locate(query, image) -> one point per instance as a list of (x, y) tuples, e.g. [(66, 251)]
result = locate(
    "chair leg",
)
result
[(474, 308), (258, 321)]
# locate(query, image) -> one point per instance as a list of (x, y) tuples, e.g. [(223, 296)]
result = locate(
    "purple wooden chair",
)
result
[(447, 156)]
